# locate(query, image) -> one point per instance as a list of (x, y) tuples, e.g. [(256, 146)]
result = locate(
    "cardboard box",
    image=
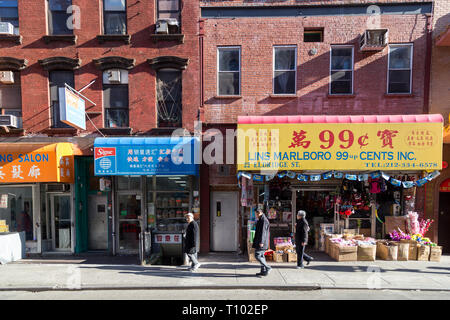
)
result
[(291, 256), (344, 253), (403, 251), (284, 248), (412, 249), (251, 253), (366, 253), (423, 252), (435, 253), (387, 250)]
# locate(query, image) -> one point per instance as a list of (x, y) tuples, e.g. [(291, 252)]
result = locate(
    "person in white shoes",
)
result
[(191, 242)]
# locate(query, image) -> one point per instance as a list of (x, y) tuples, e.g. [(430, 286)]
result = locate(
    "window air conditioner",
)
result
[(114, 76), (374, 40), (162, 27), (9, 121), (6, 28), (6, 77)]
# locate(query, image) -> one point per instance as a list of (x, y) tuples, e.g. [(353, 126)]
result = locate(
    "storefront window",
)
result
[(16, 208), (129, 182)]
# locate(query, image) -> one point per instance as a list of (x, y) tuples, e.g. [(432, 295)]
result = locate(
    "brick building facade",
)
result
[(256, 28)]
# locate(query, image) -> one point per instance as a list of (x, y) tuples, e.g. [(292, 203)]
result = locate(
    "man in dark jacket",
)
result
[(301, 239), (261, 242), (191, 242)]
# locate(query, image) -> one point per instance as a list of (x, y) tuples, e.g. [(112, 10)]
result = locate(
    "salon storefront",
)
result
[(36, 194), (347, 172), (153, 184)]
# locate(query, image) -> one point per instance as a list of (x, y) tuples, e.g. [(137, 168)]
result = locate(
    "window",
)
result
[(284, 73), (169, 9), (168, 89), (11, 99), (313, 35), (58, 79), (10, 13), (229, 71), (115, 16), (115, 99), (58, 17), (399, 69), (341, 70)]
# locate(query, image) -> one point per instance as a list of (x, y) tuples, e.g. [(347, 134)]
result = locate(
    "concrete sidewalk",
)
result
[(224, 271)]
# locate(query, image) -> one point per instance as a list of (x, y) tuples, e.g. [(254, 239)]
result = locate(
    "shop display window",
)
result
[(16, 208)]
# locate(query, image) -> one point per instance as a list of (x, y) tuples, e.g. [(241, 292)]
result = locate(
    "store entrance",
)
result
[(61, 215), (318, 203), (129, 208), (444, 221)]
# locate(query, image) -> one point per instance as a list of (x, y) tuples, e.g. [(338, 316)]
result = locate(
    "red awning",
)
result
[(443, 39), (413, 118)]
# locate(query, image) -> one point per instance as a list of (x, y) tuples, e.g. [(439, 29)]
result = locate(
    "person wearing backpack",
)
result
[(301, 239)]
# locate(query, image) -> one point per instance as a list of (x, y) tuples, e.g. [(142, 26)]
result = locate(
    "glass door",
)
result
[(62, 222), (129, 208)]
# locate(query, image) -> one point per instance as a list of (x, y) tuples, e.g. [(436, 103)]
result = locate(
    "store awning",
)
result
[(37, 162), (443, 40), (355, 143), (146, 156)]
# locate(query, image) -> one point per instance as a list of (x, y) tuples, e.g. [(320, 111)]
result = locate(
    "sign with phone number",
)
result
[(340, 146)]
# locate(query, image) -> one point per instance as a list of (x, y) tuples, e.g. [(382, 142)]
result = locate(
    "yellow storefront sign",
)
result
[(37, 162), (340, 146)]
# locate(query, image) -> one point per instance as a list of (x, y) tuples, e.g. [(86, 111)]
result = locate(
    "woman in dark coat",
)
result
[(301, 239)]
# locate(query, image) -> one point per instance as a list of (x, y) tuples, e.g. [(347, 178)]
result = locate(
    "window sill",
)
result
[(61, 131), (399, 95), (126, 38), (341, 95), (227, 97), (93, 113), (13, 38), (12, 131), (116, 131), (167, 37), (281, 96), (61, 38)]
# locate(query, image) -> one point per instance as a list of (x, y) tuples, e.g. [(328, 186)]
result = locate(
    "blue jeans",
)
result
[(193, 258), (259, 255)]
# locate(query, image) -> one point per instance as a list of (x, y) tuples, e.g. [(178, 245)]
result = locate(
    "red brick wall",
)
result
[(225, 3), (257, 36), (140, 19)]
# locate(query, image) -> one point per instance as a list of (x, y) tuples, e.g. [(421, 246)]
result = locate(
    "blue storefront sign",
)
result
[(146, 156)]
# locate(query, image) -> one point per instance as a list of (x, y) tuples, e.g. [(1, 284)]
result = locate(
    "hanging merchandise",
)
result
[(338, 175), (375, 175), (266, 192), (408, 184), (247, 175), (351, 177), (315, 177), (281, 174), (250, 193), (272, 214), (385, 176), (363, 177), (327, 175), (375, 186), (258, 178), (244, 193), (433, 175), (269, 177), (290, 174), (302, 177), (421, 182), (383, 185), (395, 182)]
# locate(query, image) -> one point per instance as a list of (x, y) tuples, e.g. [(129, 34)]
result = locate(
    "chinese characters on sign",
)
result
[(168, 238)]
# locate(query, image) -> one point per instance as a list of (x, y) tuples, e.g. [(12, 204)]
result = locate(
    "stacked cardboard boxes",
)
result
[(3, 226)]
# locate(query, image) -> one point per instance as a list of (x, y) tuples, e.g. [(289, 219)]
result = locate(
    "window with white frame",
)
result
[(58, 17), (115, 16), (11, 98), (9, 13), (115, 98), (229, 71), (285, 69), (341, 70), (400, 68)]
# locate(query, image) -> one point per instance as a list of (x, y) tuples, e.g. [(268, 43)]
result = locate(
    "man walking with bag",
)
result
[(261, 242), (191, 242), (301, 239)]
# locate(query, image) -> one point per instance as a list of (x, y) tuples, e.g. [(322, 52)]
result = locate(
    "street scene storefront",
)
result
[(357, 173), (36, 191), (154, 183)]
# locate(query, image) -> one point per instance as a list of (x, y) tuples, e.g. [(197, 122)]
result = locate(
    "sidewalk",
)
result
[(223, 271)]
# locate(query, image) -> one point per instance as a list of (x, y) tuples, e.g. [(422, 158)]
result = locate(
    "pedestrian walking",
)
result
[(301, 239), (191, 246), (261, 242)]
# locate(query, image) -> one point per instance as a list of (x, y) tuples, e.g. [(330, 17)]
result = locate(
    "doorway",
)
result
[(61, 217), (224, 221), (98, 223), (444, 221), (129, 209)]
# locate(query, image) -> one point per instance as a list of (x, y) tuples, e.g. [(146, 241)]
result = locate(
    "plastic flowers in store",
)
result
[(399, 235)]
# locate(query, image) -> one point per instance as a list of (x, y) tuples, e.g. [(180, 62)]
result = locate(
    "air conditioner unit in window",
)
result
[(114, 76), (6, 77), (6, 28), (373, 40), (167, 26), (9, 121)]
